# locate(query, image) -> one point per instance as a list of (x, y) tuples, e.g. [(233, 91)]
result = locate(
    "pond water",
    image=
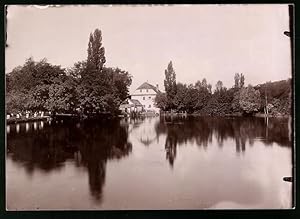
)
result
[(149, 163)]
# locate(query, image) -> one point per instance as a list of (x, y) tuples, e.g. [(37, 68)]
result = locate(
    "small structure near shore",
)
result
[(130, 105), (26, 116)]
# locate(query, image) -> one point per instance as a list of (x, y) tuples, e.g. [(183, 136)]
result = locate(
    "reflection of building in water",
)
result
[(27, 126), (18, 128), (131, 123), (144, 131), (35, 126)]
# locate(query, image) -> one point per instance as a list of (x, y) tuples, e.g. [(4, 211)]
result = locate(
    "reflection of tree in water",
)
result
[(100, 142), (170, 146), (200, 130), (43, 149), (181, 131), (89, 145)]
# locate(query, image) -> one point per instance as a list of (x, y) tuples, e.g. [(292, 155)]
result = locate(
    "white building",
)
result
[(146, 94)]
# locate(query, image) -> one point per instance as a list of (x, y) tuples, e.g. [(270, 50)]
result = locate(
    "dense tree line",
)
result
[(87, 87), (274, 98)]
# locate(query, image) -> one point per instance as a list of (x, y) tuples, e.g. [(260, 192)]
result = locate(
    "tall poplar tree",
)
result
[(237, 80), (96, 52), (242, 80), (170, 84)]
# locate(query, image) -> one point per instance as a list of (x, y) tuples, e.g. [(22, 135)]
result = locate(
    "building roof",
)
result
[(136, 102), (146, 85), (126, 103)]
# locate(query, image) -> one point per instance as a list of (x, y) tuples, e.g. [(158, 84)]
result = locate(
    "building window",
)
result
[(143, 98), (149, 106), (141, 90), (147, 90), (149, 98)]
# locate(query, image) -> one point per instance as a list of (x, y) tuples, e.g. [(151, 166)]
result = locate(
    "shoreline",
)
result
[(259, 115), (22, 120)]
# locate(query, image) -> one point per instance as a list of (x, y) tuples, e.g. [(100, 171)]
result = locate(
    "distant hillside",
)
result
[(277, 89), (279, 95)]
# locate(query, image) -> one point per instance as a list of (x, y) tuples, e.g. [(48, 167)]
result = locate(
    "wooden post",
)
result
[(266, 98)]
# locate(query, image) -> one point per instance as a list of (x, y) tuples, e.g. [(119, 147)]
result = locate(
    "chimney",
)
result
[(157, 87)]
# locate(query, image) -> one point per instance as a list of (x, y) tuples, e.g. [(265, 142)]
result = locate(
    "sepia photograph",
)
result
[(149, 107)]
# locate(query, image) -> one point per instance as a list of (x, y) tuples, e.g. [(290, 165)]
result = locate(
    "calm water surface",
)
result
[(151, 163)]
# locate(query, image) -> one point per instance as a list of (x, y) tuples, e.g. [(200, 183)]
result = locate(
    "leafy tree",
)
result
[(181, 98), (209, 87), (78, 70), (280, 90), (103, 92), (92, 92), (198, 85), (101, 89), (192, 99), (37, 97), (202, 94), (63, 96), (8, 83), (16, 101), (121, 81), (170, 84), (32, 80), (236, 102), (219, 87), (239, 80), (204, 83), (249, 100), (161, 101)]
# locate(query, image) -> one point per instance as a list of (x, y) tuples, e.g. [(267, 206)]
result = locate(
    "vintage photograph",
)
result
[(149, 107)]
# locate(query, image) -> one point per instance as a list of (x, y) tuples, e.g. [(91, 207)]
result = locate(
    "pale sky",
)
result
[(203, 41)]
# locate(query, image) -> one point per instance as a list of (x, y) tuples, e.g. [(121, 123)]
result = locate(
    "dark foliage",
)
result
[(199, 99)]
